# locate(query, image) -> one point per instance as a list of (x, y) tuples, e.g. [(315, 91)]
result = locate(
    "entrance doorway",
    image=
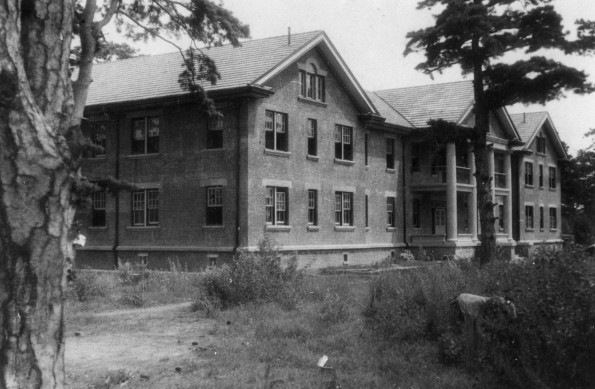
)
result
[(439, 216)]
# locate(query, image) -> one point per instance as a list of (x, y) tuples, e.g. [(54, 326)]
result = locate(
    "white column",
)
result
[(472, 199), (508, 205), (451, 192)]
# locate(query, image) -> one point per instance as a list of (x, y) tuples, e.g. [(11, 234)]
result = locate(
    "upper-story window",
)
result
[(390, 153), (552, 177), (529, 173), (313, 84), (98, 139), (145, 135), (343, 142), (312, 131), (540, 176), (276, 131), (541, 144), (215, 133), (98, 214)]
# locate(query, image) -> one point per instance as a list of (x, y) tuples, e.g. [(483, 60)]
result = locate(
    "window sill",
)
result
[(345, 228), (553, 189), (553, 229), (143, 227), (391, 171), (97, 228), (314, 158), (270, 227), (391, 229), (312, 101), (313, 228), (141, 156), (530, 229), (344, 162), (540, 154), (541, 187), (214, 227), (529, 186), (367, 229), (278, 153)]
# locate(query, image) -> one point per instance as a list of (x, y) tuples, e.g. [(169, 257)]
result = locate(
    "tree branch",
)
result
[(111, 11)]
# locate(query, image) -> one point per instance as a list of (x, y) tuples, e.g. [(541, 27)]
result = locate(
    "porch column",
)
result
[(472, 199), (451, 192), (508, 205)]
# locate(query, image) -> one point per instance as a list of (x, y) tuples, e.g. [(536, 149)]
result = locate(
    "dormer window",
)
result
[(312, 83)]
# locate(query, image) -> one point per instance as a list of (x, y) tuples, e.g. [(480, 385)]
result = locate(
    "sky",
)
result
[(370, 35)]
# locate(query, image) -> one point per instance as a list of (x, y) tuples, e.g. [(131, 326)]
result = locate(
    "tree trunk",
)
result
[(35, 178), (483, 175)]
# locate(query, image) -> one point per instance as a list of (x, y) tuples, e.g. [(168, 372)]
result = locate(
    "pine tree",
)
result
[(477, 35)]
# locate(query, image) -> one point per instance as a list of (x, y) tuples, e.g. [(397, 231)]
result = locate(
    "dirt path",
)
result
[(138, 341)]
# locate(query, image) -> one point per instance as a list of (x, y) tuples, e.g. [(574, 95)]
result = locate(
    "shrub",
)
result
[(334, 308), (552, 339), (259, 276), (86, 286)]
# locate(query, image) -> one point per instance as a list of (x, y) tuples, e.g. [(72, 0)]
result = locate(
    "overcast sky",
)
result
[(370, 36)]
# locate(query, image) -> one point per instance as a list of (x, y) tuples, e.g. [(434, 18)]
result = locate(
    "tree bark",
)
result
[(36, 170), (483, 177)]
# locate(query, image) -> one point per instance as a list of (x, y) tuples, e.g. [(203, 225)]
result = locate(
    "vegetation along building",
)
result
[(304, 155)]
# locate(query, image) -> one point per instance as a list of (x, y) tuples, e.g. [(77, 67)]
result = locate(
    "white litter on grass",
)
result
[(322, 361)]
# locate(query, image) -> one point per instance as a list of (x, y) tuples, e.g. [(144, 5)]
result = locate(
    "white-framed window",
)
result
[(529, 217), (343, 208), (312, 134), (145, 207), (553, 218), (390, 153), (276, 131), (145, 135), (98, 139), (214, 212), (552, 177), (313, 85), (276, 206), (312, 207), (541, 218), (343, 142), (529, 173), (390, 211), (98, 214)]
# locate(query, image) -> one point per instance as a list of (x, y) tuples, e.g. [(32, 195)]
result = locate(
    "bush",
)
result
[(551, 342), (259, 276), (86, 287), (411, 304)]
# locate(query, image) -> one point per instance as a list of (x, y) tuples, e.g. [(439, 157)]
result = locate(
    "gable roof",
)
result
[(253, 63), (449, 101), (528, 125)]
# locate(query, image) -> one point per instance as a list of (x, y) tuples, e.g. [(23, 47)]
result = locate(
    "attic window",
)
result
[(313, 84), (541, 144)]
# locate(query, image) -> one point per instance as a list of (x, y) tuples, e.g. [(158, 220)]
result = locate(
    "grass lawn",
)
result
[(250, 346)]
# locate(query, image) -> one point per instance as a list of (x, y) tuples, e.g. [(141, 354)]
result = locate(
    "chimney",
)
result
[(288, 36)]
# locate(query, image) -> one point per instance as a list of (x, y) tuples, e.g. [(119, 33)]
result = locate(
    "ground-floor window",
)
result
[(344, 208), (312, 207), (276, 209), (390, 211), (529, 216), (214, 214), (145, 207)]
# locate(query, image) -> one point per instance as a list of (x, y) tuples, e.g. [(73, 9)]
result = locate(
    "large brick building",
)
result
[(303, 154)]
